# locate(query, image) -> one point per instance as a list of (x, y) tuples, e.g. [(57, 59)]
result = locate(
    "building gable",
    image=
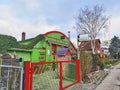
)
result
[(86, 45), (60, 38)]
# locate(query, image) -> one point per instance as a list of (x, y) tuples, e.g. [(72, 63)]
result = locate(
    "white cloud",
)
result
[(74, 41), (114, 27), (32, 4), (11, 25), (42, 5), (33, 29), (115, 23)]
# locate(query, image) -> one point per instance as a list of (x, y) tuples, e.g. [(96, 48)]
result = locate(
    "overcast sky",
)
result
[(39, 16)]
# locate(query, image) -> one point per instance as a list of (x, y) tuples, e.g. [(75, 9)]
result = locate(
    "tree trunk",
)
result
[(93, 45), (94, 61)]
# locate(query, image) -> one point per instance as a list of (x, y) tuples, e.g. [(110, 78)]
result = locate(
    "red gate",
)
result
[(57, 75)]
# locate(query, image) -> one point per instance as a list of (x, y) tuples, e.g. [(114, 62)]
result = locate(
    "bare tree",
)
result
[(91, 21)]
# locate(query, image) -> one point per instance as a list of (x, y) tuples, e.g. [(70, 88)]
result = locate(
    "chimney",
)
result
[(23, 36)]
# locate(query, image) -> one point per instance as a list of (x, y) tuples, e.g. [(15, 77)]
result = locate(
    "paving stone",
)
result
[(111, 82)]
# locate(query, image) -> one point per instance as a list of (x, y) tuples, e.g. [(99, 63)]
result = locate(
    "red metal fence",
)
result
[(57, 75)]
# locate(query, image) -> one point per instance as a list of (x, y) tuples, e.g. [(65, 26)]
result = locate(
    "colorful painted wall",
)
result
[(43, 49)]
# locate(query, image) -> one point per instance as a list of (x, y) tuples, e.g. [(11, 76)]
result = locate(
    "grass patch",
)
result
[(116, 62), (69, 79)]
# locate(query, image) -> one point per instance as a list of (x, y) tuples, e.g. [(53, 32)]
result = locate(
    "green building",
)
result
[(43, 47)]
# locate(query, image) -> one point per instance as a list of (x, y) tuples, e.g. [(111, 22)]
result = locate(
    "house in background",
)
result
[(43, 47), (86, 45), (105, 47), (64, 54)]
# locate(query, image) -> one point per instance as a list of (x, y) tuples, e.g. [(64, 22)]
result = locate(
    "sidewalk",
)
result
[(112, 81)]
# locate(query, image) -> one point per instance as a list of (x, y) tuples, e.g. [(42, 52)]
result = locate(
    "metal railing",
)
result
[(51, 75), (11, 77)]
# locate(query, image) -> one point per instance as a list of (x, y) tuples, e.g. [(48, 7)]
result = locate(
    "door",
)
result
[(54, 51)]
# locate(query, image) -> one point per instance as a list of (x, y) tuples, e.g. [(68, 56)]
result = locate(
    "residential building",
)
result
[(86, 45), (43, 47)]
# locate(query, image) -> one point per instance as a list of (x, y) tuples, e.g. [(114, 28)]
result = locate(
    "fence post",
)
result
[(78, 72), (31, 76), (60, 83), (27, 75)]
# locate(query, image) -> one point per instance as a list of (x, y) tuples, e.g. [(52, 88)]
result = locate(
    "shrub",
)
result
[(7, 42), (86, 60), (105, 63), (95, 61), (101, 64)]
